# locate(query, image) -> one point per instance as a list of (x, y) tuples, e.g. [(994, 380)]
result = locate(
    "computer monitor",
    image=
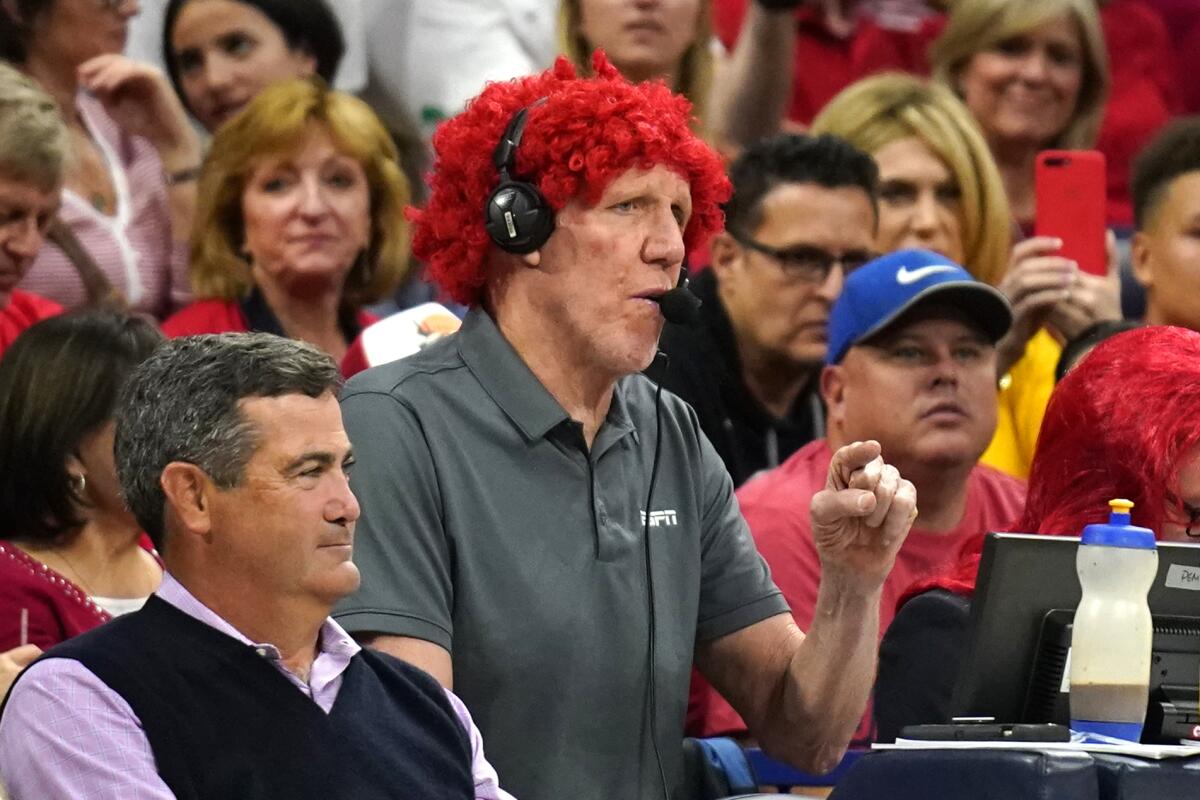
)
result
[(1025, 597)]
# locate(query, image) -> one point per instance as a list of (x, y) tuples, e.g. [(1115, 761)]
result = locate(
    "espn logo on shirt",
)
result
[(660, 519)]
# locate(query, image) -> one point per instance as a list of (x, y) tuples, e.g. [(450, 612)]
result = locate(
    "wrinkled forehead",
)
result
[(641, 178), (26, 192)]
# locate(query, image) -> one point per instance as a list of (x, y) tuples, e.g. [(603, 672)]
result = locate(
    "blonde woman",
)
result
[(941, 190), (300, 220), (1034, 74)]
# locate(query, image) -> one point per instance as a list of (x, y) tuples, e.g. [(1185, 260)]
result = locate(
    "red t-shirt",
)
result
[(775, 505), (226, 316), (1142, 97), (827, 63), (1182, 20), (23, 310)]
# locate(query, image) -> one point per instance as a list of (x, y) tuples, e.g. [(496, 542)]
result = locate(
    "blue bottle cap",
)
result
[(1118, 532)]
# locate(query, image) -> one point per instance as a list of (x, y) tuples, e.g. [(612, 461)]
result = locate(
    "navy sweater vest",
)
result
[(224, 724)]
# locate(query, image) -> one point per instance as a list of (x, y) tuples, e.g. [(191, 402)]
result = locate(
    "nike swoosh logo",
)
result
[(905, 276)]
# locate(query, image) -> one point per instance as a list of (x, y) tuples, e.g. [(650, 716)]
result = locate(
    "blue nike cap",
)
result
[(880, 291)]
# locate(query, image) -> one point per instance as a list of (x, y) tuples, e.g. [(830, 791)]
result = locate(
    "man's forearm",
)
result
[(828, 680), (751, 94)]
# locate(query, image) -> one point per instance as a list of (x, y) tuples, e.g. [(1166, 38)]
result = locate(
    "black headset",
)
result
[(518, 218)]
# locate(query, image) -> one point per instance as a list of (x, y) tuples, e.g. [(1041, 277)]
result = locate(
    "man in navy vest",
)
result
[(233, 681)]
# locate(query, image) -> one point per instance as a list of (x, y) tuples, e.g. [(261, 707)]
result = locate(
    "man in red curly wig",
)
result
[(540, 529)]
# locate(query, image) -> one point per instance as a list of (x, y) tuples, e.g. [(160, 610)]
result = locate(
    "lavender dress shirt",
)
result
[(66, 734)]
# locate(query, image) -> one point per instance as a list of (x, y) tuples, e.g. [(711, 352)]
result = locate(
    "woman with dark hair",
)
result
[(70, 552), (129, 187), (1122, 423), (221, 53)]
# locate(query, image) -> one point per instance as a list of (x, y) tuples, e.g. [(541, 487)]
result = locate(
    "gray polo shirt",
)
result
[(489, 528)]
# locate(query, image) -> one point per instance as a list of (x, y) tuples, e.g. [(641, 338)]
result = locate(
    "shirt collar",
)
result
[(332, 640), (506, 378)]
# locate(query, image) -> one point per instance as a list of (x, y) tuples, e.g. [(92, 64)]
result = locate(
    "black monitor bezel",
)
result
[(1021, 578)]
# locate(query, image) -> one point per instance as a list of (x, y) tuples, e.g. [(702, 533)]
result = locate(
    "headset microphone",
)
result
[(679, 305)]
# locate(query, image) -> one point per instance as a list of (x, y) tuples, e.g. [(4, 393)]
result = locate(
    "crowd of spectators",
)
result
[(495, 237)]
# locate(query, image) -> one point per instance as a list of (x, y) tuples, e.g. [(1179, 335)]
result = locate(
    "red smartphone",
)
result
[(1071, 205)]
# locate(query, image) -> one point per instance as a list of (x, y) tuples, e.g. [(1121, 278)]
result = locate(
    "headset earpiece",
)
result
[(517, 216)]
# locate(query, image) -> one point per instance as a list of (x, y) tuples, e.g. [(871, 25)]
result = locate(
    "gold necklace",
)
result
[(75, 571)]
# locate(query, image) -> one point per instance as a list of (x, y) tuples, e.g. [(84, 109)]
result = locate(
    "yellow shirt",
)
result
[(1024, 393)]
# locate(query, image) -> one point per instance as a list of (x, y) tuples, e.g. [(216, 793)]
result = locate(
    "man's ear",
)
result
[(833, 392), (532, 259), (1142, 259), (726, 253), (189, 493)]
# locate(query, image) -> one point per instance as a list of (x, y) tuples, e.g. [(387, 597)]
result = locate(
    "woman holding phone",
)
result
[(940, 190)]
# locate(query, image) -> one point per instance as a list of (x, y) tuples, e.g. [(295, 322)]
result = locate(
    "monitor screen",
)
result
[(1022, 579)]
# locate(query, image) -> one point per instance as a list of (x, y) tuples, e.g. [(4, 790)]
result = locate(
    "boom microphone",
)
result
[(679, 306)]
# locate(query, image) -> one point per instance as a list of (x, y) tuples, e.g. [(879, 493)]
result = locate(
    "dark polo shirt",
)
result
[(489, 528)]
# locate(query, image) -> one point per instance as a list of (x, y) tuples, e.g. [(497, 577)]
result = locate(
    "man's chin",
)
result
[(342, 580), (808, 355), (949, 451)]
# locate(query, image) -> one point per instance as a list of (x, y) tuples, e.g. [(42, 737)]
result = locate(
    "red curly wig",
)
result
[(1122, 423), (588, 133)]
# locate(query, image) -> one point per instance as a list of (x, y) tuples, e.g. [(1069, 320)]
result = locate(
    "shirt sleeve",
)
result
[(487, 784), (400, 543), (65, 733), (736, 589)]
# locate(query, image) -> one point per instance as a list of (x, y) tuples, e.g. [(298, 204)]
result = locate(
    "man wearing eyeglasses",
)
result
[(911, 364), (802, 215)]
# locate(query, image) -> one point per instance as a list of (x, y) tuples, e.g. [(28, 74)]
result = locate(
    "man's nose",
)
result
[(343, 506), (664, 242), (945, 369), (831, 287), (24, 238)]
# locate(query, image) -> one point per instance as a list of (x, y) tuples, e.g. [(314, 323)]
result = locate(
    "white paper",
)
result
[(1152, 751)]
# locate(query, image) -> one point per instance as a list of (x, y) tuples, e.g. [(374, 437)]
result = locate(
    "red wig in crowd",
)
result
[(1123, 423), (589, 132)]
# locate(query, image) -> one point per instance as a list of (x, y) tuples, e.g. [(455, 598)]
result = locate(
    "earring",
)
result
[(79, 485)]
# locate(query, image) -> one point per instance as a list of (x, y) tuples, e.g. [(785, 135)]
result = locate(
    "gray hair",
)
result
[(33, 138), (181, 404)]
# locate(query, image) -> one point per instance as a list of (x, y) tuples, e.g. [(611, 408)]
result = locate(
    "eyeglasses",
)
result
[(805, 262), (1193, 515), (1193, 526)]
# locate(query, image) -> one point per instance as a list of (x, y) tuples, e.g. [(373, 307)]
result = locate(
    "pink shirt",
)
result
[(134, 248), (65, 733)]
